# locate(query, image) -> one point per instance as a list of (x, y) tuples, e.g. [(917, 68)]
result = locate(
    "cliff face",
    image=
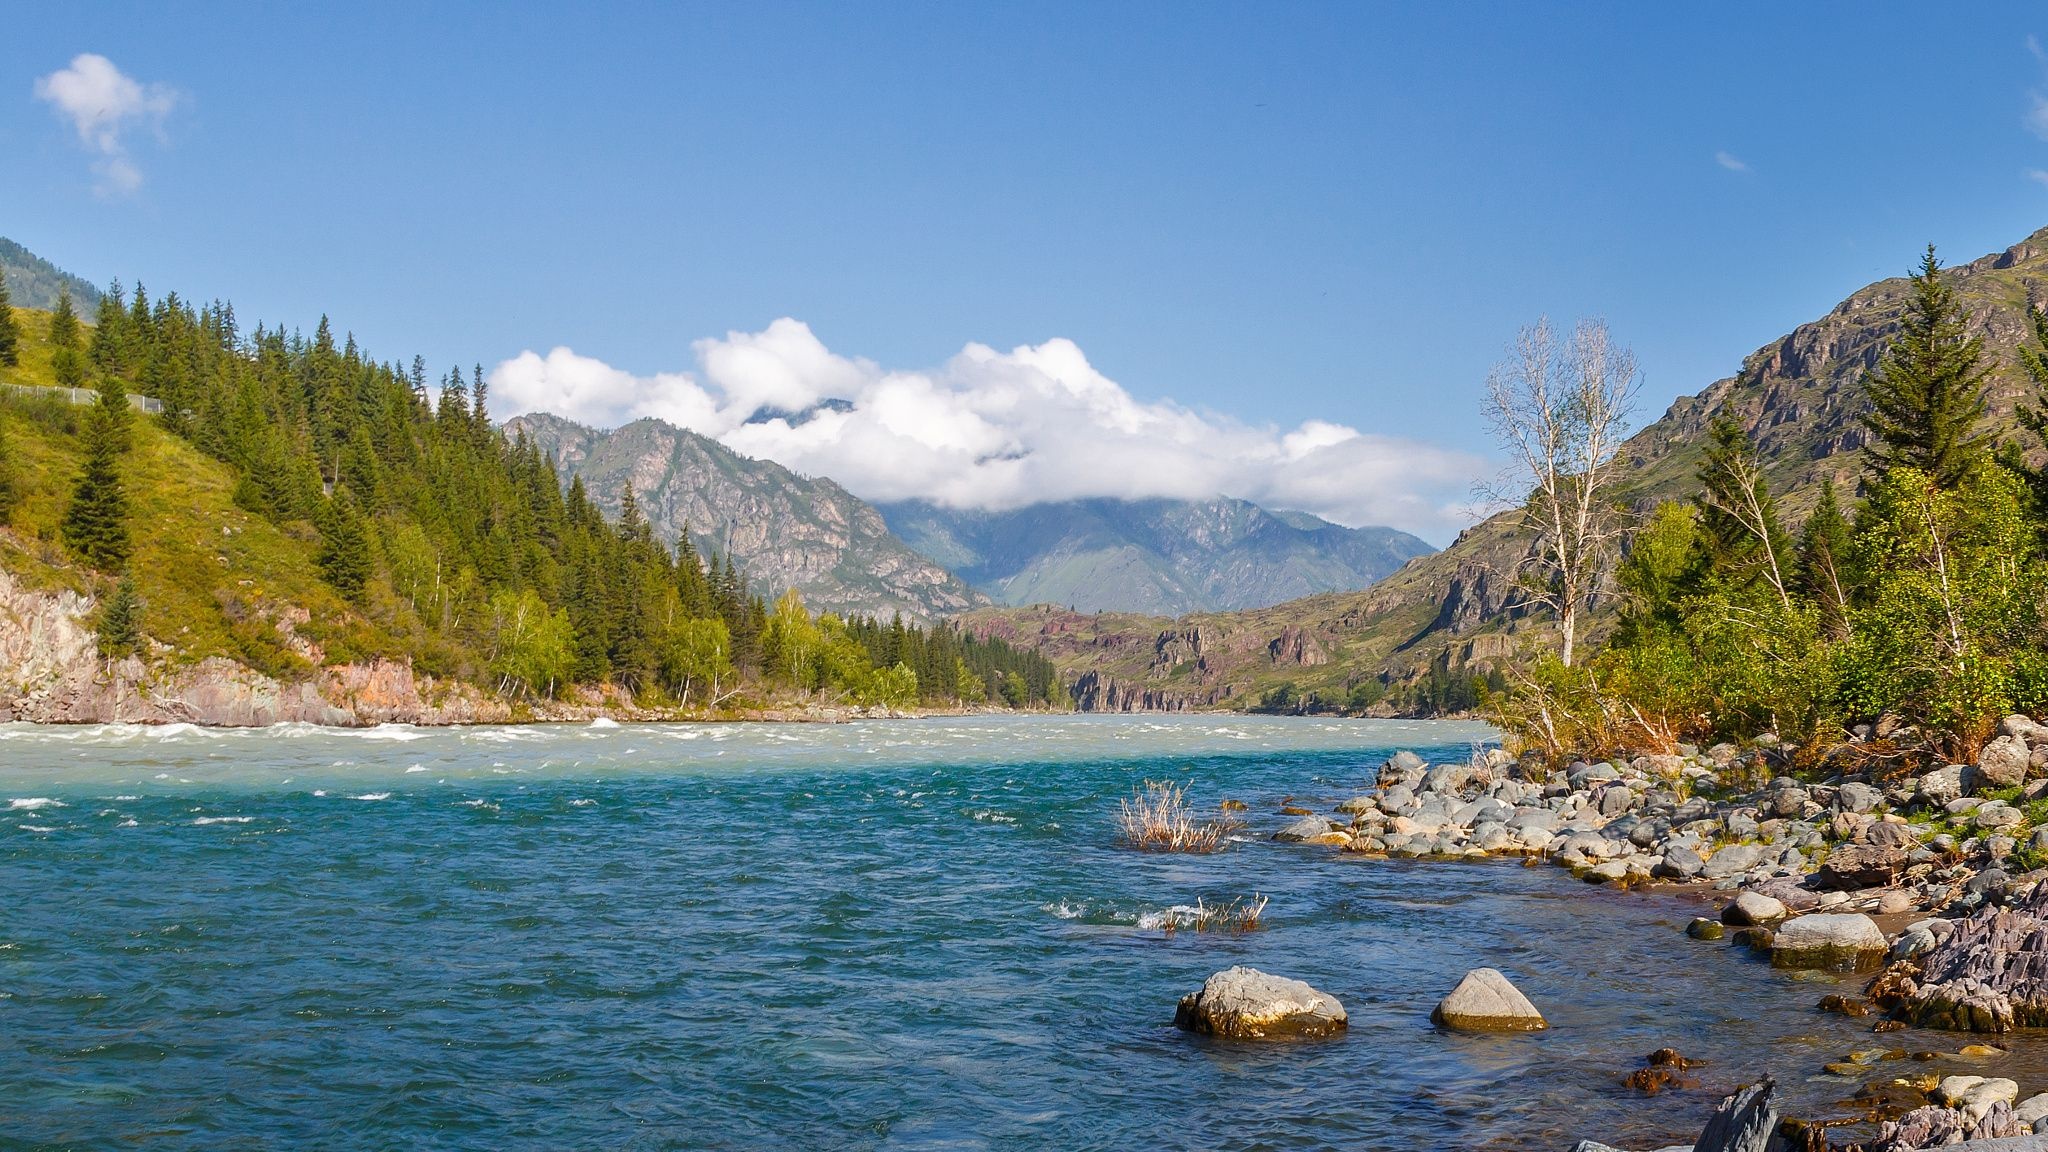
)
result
[(1166, 557), (51, 672), (786, 531), (1799, 397)]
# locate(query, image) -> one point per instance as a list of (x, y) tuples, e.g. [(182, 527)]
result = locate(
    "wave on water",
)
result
[(399, 732), (604, 722), (372, 796), (35, 828), (416, 768), (33, 803), (224, 820)]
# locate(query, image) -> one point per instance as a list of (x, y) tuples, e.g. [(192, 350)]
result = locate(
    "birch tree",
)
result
[(1560, 408)]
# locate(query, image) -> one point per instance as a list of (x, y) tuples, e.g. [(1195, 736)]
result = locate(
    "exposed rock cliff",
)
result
[(51, 672)]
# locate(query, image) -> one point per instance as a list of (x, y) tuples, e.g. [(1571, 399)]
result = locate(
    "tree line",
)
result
[(456, 539), (1918, 599)]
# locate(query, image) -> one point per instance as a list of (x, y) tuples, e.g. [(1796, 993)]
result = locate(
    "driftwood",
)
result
[(1990, 974)]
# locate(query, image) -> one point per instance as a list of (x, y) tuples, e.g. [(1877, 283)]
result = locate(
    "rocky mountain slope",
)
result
[(1451, 613), (1165, 557), (33, 282), (785, 530)]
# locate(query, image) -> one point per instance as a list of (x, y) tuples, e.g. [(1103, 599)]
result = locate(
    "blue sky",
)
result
[(1269, 215)]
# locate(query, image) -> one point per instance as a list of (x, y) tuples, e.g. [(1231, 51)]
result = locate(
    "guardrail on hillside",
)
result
[(84, 396)]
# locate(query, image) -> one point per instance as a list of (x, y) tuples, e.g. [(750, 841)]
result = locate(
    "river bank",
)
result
[(1932, 878)]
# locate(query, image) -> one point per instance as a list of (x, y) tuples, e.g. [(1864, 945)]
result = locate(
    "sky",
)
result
[(1030, 251)]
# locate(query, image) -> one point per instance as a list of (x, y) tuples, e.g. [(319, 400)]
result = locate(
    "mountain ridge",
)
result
[(1162, 556), (784, 530)]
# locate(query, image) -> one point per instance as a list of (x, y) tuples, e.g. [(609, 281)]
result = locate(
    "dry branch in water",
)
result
[(1160, 819)]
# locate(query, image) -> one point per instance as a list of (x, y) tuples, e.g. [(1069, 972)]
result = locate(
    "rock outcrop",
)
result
[(1990, 974)]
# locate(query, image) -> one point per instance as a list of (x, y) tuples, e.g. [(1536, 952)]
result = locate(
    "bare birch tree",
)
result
[(1560, 410)]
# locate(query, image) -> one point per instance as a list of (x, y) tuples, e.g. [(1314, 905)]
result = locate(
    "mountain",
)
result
[(33, 282), (785, 530), (1166, 557), (1451, 614)]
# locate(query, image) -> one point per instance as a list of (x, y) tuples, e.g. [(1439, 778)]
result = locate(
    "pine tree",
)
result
[(96, 524), (66, 361), (10, 333), (115, 415), (1739, 530), (345, 546), (1927, 394), (1822, 571), (2034, 418), (120, 627)]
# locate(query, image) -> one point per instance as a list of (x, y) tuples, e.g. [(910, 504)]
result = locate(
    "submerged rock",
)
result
[(1835, 941), (1485, 1001), (1246, 1004)]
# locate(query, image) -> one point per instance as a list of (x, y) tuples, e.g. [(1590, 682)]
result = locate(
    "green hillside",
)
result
[(299, 508), (1426, 632)]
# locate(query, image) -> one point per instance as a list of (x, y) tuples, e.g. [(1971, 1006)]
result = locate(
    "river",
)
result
[(883, 935)]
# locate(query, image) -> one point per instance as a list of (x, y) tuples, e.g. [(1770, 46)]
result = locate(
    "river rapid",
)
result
[(880, 935)]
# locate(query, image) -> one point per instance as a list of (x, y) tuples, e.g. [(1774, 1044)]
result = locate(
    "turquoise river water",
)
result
[(886, 935)]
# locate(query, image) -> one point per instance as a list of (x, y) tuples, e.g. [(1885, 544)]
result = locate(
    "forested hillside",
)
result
[(300, 505), (36, 283), (1432, 634)]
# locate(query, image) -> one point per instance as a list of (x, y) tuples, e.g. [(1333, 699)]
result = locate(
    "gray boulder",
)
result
[(1885, 834), (1834, 941), (2003, 763), (1484, 1001), (1856, 796), (1732, 860), (1307, 830), (1854, 866), (2024, 728), (1246, 1004), (1679, 863), (1752, 909), (1937, 788)]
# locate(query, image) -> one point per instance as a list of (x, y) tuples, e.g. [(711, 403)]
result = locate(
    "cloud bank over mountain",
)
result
[(997, 430)]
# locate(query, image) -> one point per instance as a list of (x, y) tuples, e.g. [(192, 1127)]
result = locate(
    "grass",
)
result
[(1239, 916), (1159, 818)]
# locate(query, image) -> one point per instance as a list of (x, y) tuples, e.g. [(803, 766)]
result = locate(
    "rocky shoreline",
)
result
[(1928, 881)]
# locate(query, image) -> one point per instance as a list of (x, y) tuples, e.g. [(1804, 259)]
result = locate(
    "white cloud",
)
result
[(2037, 116), (1730, 161), (992, 429), (2037, 176), (102, 103)]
